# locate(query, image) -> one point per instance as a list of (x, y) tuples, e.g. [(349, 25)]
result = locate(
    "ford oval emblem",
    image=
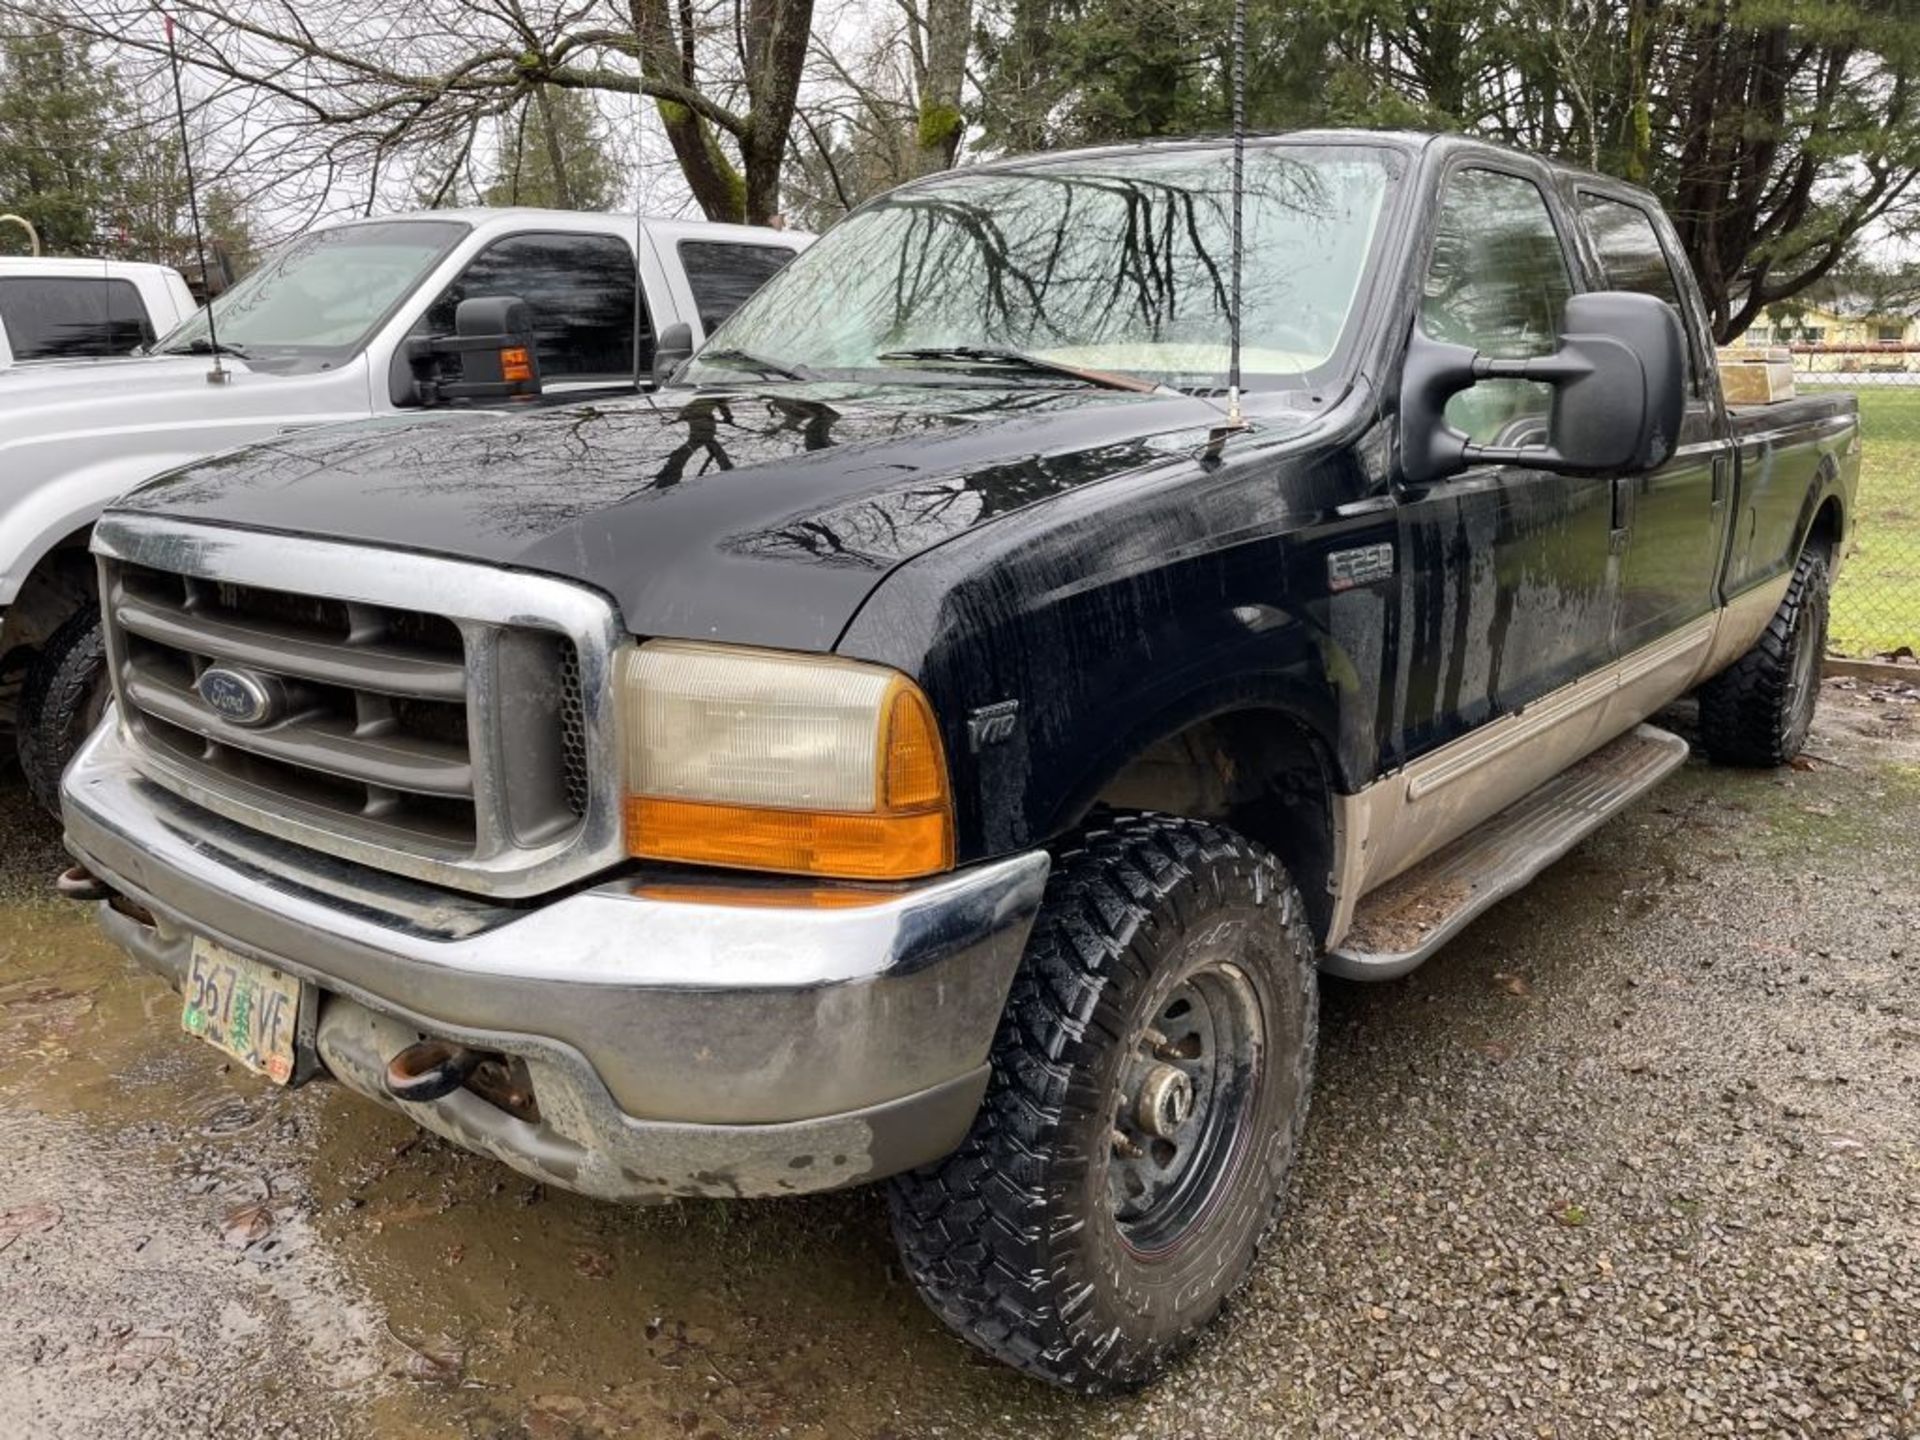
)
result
[(236, 696)]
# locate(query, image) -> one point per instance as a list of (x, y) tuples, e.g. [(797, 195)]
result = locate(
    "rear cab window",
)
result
[(723, 273), (1632, 258), (72, 317)]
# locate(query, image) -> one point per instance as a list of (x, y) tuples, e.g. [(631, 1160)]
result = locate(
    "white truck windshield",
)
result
[(319, 297)]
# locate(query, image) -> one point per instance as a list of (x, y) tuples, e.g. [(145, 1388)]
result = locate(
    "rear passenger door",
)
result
[(1674, 518), (1507, 583)]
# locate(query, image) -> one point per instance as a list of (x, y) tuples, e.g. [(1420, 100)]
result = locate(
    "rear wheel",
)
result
[(1759, 709), (1150, 1082), (63, 698)]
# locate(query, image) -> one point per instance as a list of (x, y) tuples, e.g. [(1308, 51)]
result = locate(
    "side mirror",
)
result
[(1619, 395), (491, 355), (672, 350)]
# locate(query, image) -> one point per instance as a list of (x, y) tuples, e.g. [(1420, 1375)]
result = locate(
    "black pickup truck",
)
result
[(928, 739)]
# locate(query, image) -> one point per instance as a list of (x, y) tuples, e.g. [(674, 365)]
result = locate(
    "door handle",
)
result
[(1622, 514)]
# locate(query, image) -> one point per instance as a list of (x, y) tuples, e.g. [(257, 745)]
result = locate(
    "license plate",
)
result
[(243, 1007)]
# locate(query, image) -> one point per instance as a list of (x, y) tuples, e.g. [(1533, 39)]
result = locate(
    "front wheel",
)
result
[(1759, 709), (1150, 1081), (61, 702)]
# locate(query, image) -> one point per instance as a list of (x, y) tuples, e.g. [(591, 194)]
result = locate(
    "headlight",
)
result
[(762, 760)]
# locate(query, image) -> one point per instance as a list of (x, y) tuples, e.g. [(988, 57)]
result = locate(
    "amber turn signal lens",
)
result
[(516, 366), (793, 842)]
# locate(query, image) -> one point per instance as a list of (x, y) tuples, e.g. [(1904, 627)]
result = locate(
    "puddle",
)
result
[(323, 1261)]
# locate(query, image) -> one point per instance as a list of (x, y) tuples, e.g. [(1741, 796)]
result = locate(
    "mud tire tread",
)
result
[(1743, 709), (54, 703), (974, 1229)]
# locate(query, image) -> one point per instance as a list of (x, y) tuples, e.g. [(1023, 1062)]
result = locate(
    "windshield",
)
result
[(319, 297), (1116, 263)]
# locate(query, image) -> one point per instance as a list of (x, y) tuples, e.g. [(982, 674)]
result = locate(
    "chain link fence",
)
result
[(1876, 605)]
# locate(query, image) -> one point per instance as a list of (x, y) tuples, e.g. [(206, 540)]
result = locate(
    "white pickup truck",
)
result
[(334, 327), (59, 309)]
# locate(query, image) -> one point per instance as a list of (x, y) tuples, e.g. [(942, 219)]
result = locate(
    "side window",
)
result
[(723, 274), (64, 318), (582, 290), (1498, 281), (1631, 258)]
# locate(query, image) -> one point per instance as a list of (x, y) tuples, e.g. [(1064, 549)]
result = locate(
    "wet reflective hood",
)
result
[(763, 515)]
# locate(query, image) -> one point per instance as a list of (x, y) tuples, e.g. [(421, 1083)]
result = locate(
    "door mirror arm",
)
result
[(672, 350)]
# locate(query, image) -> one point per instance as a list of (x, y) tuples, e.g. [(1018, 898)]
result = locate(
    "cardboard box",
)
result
[(1755, 374)]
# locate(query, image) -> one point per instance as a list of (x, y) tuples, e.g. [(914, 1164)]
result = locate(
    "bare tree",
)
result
[(883, 111), (349, 90)]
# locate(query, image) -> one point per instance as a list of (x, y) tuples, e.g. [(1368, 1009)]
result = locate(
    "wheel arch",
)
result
[(57, 580), (1262, 761), (1827, 530)]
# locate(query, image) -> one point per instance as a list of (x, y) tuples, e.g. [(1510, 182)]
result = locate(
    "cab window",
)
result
[(51, 318), (582, 290), (722, 274), (1498, 282), (1632, 258)]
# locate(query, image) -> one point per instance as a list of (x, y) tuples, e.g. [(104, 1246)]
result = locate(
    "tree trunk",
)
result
[(562, 192), (948, 28), (776, 50), (715, 183)]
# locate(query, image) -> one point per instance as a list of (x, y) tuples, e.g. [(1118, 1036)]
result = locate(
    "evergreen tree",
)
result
[(61, 119), (552, 155)]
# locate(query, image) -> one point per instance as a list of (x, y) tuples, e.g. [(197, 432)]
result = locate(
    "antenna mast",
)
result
[(218, 374), (1235, 421)]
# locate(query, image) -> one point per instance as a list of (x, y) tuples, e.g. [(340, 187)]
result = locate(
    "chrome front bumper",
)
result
[(685, 1036)]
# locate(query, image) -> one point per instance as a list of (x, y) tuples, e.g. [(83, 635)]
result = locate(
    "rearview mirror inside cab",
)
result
[(1619, 392)]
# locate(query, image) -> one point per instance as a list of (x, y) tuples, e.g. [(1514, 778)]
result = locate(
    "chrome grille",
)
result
[(461, 739), (375, 732)]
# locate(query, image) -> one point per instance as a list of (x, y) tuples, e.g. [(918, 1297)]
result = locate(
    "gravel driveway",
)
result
[(1638, 1155)]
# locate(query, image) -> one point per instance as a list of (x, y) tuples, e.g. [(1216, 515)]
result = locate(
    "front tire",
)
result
[(1759, 709), (1150, 1082), (61, 702)]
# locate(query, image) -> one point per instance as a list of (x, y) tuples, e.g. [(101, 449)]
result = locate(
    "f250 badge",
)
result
[(992, 724), (1348, 568)]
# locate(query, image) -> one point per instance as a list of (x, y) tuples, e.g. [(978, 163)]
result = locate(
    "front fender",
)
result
[(36, 520)]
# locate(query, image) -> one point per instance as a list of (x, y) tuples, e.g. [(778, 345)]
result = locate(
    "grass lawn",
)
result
[(1876, 607)]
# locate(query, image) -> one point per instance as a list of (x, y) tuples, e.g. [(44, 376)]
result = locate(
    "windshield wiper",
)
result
[(757, 362), (1019, 359), (200, 345)]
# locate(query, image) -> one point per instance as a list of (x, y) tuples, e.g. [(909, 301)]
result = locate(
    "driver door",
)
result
[(1508, 580)]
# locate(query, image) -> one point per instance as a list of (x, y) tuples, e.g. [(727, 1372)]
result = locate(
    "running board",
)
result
[(1402, 923)]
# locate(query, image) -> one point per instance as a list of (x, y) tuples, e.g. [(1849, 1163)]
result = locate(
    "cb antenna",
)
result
[(1234, 420), (218, 374)]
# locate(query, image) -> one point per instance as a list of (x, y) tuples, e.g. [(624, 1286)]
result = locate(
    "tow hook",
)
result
[(430, 1069), (79, 883)]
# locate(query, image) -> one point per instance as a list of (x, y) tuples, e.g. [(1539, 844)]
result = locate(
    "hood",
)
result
[(37, 382), (760, 516)]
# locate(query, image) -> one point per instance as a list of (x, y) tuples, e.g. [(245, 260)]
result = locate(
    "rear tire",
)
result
[(1759, 709), (61, 702), (1150, 1082)]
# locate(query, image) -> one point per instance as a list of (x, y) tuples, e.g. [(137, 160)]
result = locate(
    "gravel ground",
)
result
[(1638, 1155)]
